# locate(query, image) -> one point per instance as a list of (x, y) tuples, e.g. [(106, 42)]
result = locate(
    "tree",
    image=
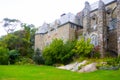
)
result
[(10, 24), (28, 39), (21, 40), (83, 47), (4, 56)]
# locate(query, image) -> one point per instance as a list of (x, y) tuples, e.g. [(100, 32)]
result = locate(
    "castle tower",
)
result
[(118, 26), (86, 19), (102, 29)]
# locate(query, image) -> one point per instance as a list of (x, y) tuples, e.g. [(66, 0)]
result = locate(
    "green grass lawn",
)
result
[(16, 72)]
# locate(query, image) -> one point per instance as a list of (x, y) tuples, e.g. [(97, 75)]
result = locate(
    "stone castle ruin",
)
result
[(99, 21)]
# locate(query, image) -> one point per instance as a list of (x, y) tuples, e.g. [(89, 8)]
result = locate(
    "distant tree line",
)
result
[(16, 45)]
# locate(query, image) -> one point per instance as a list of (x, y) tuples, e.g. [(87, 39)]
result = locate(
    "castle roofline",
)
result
[(65, 18), (59, 27), (94, 6)]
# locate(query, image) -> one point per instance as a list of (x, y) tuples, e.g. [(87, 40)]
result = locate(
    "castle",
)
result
[(99, 21)]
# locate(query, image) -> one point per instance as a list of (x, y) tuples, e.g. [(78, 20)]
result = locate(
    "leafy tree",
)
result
[(4, 56), (10, 24), (28, 39), (21, 40), (13, 56), (83, 47)]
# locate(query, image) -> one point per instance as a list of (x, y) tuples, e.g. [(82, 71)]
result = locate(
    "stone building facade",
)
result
[(65, 28), (99, 21)]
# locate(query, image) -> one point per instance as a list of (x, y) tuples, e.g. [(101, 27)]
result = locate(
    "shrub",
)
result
[(38, 59), (66, 53), (113, 61), (96, 52), (25, 61), (83, 47), (47, 55), (58, 52), (13, 56), (109, 64), (4, 56), (52, 53)]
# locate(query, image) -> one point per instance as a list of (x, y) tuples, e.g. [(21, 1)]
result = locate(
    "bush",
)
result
[(52, 53), (38, 59), (25, 61), (109, 64), (96, 52), (4, 56), (66, 53), (13, 56), (58, 52), (83, 48), (113, 61)]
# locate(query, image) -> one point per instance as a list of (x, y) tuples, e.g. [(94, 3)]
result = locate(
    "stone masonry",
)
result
[(99, 21)]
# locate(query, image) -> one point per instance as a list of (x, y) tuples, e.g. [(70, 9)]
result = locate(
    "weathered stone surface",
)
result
[(102, 28), (95, 21), (69, 66), (76, 67), (89, 68), (73, 66), (118, 25)]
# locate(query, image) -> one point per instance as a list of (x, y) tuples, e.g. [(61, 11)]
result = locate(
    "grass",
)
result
[(16, 72)]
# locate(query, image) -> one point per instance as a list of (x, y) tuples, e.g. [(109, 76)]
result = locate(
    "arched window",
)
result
[(94, 39)]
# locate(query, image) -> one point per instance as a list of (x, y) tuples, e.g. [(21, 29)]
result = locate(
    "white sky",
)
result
[(38, 11)]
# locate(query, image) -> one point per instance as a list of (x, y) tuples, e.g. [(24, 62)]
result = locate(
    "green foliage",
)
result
[(95, 52), (13, 56), (4, 56), (109, 64), (25, 61), (67, 53), (113, 61), (38, 59), (83, 47), (58, 52), (22, 40), (52, 52)]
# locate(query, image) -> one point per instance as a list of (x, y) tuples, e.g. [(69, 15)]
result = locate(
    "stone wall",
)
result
[(39, 41), (112, 40), (64, 32), (118, 26), (97, 22)]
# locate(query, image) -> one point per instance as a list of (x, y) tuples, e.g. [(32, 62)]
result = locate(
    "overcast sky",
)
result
[(38, 11)]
